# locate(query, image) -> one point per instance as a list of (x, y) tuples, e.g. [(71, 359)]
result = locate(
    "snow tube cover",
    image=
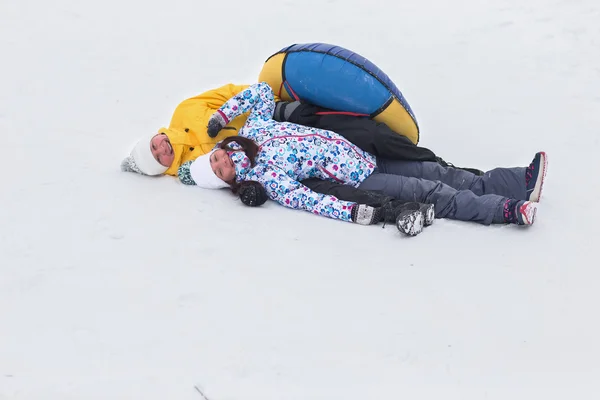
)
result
[(338, 79)]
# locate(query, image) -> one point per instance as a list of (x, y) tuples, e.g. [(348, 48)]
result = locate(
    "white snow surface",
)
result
[(118, 286)]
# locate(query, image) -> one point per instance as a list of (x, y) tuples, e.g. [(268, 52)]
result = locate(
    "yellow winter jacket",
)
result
[(187, 130)]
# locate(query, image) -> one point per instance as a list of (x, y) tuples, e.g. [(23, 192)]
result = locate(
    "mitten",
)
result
[(366, 215), (252, 193), (215, 124)]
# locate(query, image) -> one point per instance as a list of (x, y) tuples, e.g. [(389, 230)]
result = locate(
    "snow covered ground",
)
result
[(116, 286)]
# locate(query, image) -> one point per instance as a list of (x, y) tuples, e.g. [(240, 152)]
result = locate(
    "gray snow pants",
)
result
[(455, 193)]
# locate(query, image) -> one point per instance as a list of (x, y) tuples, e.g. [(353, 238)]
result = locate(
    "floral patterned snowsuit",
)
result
[(289, 153)]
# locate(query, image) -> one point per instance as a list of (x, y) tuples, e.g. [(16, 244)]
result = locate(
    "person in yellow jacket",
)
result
[(186, 138)]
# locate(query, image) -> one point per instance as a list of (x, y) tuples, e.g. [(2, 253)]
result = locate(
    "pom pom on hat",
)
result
[(142, 161), (203, 175)]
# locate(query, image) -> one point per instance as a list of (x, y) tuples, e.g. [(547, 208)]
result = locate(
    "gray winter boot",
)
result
[(410, 222)]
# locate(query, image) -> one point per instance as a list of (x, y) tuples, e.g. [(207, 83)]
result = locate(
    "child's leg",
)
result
[(449, 203), (507, 182), (346, 192)]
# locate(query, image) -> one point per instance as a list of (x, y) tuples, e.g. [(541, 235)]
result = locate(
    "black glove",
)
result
[(252, 194), (215, 124), (366, 215)]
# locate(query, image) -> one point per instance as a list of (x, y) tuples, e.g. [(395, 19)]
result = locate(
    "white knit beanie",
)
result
[(202, 173), (141, 159)]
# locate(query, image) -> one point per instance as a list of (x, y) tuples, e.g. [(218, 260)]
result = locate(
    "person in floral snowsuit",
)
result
[(280, 154)]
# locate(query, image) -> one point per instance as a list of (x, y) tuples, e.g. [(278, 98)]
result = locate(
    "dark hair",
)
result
[(248, 146)]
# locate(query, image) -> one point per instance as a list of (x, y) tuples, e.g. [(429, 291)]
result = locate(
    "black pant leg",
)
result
[(346, 192), (371, 136)]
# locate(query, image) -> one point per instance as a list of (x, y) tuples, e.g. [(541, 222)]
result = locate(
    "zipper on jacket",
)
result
[(323, 170)]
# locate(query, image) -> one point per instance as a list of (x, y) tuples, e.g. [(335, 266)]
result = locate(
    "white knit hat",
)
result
[(141, 159), (202, 173)]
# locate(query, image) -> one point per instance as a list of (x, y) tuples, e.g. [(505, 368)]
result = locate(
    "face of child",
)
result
[(222, 165)]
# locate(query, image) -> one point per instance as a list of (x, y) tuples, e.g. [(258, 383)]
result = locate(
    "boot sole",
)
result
[(410, 224), (536, 193), (429, 213)]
